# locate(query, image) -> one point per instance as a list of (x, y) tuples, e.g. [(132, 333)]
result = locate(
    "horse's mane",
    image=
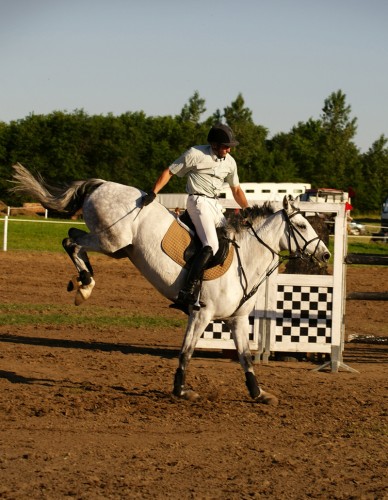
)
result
[(254, 214)]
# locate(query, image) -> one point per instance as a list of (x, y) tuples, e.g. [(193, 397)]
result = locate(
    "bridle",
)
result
[(300, 253), (292, 232)]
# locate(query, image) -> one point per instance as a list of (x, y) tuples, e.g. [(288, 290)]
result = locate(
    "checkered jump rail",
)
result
[(217, 335), (303, 314)]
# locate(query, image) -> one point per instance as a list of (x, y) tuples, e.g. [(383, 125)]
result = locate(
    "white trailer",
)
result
[(254, 191), (267, 191)]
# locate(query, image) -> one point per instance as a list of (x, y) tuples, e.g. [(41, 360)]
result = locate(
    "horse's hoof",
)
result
[(84, 292), (190, 396), (266, 398)]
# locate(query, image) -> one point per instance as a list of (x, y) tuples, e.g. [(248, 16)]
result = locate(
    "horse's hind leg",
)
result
[(239, 327), (84, 282), (75, 233), (75, 247)]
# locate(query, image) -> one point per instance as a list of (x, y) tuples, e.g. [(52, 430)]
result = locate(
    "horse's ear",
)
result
[(288, 203), (293, 202)]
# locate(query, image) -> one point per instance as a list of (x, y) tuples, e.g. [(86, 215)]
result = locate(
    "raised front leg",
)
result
[(239, 327)]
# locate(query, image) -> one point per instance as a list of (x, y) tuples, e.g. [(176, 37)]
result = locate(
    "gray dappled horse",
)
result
[(119, 228)]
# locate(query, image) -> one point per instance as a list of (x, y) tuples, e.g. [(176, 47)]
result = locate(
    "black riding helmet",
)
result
[(221, 134)]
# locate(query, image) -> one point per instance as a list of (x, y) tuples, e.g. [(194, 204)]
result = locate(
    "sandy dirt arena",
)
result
[(87, 413)]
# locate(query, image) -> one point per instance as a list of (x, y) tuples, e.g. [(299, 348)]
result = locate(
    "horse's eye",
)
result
[(302, 226)]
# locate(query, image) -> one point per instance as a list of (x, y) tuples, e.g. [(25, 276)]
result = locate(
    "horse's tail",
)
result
[(67, 199)]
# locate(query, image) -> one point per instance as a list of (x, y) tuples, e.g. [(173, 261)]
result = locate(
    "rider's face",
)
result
[(221, 150)]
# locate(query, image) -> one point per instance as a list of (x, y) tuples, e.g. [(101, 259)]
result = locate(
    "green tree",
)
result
[(373, 189), (302, 146), (236, 115), (338, 154), (133, 148), (4, 167), (54, 144), (192, 111), (251, 154), (280, 166), (322, 151)]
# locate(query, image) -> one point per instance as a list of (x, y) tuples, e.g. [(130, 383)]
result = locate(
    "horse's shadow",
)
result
[(15, 378), (162, 352)]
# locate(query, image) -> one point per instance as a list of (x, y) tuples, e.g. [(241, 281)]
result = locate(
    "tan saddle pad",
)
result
[(175, 242)]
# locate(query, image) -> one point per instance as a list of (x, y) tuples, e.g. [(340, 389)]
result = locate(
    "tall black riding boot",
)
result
[(189, 293)]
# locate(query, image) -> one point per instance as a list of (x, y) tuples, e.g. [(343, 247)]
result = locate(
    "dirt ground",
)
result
[(88, 413)]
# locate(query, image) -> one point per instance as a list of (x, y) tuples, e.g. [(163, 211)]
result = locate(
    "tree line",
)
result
[(133, 148)]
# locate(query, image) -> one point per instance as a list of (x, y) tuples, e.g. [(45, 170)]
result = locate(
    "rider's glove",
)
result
[(148, 198), (245, 212)]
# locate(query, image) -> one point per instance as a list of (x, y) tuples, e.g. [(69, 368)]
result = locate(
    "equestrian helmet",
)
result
[(221, 134)]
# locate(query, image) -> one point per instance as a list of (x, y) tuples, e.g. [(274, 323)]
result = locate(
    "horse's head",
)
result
[(300, 237), (296, 233)]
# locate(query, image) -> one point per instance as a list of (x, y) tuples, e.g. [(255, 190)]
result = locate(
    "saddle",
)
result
[(181, 244)]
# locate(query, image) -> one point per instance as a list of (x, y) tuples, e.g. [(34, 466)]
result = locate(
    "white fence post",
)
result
[(5, 234)]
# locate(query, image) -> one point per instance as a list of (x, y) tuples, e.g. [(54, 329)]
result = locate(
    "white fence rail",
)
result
[(7, 219)]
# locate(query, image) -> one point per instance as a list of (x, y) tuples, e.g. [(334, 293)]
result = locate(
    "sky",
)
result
[(115, 56)]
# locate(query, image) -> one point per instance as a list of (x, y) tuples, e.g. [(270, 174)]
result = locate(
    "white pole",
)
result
[(5, 236), (8, 210)]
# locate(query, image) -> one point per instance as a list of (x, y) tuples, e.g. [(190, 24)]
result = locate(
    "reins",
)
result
[(300, 253), (247, 295)]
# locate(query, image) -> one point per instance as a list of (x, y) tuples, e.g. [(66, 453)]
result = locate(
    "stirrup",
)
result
[(187, 297)]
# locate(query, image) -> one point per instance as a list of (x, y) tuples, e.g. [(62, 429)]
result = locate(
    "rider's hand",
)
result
[(245, 212), (147, 199)]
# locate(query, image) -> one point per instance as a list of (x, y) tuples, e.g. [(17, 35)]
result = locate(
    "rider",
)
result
[(207, 167)]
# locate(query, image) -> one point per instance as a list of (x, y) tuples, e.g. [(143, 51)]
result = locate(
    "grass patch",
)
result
[(98, 317), (363, 246), (37, 234)]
